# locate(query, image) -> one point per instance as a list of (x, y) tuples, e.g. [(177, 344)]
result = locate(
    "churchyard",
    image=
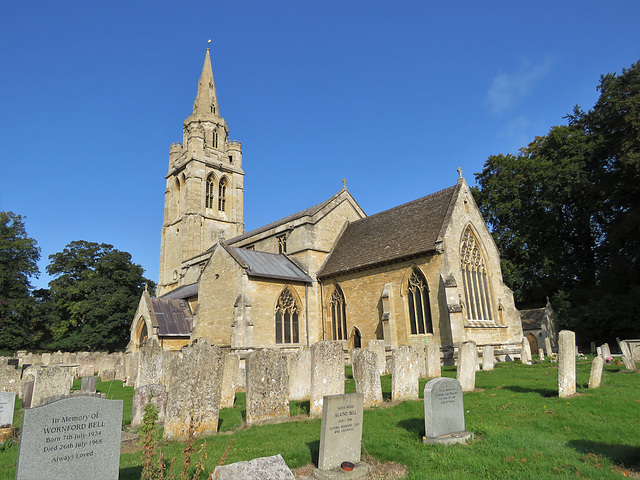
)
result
[(522, 428)]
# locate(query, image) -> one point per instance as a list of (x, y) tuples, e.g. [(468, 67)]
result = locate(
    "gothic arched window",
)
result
[(215, 138), (287, 313), (474, 279), (419, 308), (177, 197), (222, 194), (211, 190), (338, 314)]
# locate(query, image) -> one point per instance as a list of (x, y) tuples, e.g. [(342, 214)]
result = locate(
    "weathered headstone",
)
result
[(595, 377), (525, 356), (606, 351), (27, 392), (467, 361), (365, 374), (46, 359), (71, 439), (541, 354), (10, 380), (566, 363), (49, 381), (488, 358), (150, 365), (327, 373), (444, 412), (267, 386), (87, 367), (7, 405), (271, 468), (404, 374), (141, 399), (341, 431), (230, 371), (88, 384), (377, 347), (299, 374), (421, 358), (434, 369), (547, 346), (193, 396), (629, 364)]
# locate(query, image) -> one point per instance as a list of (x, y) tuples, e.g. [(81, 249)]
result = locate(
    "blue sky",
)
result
[(393, 96)]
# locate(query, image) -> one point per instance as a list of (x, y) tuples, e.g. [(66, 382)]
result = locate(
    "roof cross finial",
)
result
[(208, 44), (344, 183), (459, 172)]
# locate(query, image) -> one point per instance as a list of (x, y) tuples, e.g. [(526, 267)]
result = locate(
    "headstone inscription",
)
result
[(71, 439), (272, 468), (7, 404), (341, 431), (444, 412)]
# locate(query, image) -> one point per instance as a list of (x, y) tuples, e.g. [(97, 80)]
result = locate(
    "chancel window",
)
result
[(287, 316), (418, 302), (211, 189), (474, 279), (222, 195), (338, 314)]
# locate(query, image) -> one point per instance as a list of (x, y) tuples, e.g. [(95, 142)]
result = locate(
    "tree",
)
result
[(19, 257), (565, 213), (95, 293)]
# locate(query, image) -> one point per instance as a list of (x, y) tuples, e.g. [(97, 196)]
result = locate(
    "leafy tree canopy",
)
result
[(95, 292), (19, 257), (565, 213)]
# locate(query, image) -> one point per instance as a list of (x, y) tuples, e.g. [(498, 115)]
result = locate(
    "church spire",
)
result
[(206, 101)]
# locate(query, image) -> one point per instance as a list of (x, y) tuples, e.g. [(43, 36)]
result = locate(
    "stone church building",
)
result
[(424, 271)]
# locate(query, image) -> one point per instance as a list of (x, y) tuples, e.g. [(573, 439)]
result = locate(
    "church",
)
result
[(425, 271)]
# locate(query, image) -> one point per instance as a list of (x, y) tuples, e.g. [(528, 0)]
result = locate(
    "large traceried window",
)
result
[(338, 314), (222, 194), (474, 279), (418, 300), (211, 191), (287, 318)]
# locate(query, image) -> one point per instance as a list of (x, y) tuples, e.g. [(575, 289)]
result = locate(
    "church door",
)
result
[(533, 343)]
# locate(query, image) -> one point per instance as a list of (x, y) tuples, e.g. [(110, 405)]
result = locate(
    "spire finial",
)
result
[(459, 172), (344, 183), (208, 44)]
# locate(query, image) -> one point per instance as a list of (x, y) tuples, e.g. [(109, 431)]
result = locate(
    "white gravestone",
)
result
[(7, 404), (444, 412), (71, 439)]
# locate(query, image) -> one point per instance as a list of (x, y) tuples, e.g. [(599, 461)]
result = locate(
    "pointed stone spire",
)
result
[(206, 102)]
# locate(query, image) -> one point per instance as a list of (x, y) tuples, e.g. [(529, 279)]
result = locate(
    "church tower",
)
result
[(204, 195)]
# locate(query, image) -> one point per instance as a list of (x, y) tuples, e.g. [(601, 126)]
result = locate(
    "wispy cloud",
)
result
[(508, 89)]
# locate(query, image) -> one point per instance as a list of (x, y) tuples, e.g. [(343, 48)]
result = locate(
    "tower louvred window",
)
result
[(475, 279)]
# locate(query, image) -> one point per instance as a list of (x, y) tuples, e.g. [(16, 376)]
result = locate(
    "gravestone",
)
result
[(7, 404), (547, 346), (595, 377), (300, 374), (27, 393), (263, 468), (267, 385), (88, 384), (488, 358), (150, 365), (421, 358), (444, 412), (606, 351), (141, 399), (10, 380), (71, 439), (46, 359), (629, 364), (327, 373), (341, 431), (365, 374), (230, 370), (541, 354), (193, 396), (566, 363), (432, 351), (593, 348), (467, 361), (49, 381), (404, 374), (87, 367), (377, 347), (525, 355)]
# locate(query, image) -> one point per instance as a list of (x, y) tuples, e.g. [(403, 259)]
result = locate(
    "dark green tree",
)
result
[(19, 257), (565, 213), (95, 293)]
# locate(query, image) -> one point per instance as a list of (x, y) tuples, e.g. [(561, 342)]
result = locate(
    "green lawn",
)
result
[(523, 430)]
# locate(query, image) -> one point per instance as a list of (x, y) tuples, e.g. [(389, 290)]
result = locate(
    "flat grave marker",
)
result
[(71, 439), (444, 412)]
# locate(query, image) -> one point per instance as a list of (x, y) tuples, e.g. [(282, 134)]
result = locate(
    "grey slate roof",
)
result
[(185, 291), (269, 265), (173, 315), (393, 235), (532, 318)]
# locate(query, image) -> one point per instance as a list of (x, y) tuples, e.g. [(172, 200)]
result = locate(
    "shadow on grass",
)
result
[(413, 425), (543, 392), (130, 473), (623, 455), (314, 450), (299, 407)]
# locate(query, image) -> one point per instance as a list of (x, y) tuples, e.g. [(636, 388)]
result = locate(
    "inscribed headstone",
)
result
[(271, 468), (341, 431), (444, 412), (267, 385), (467, 361), (327, 373), (71, 439), (404, 374), (7, 404), (566, 363), (365, 374), (193, 396)]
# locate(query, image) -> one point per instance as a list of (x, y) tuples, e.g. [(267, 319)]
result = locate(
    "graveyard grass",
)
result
[(523, 430)]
